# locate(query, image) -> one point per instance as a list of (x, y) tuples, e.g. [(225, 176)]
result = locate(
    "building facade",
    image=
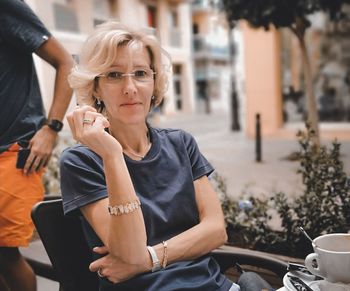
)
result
[(211, 56), (70, 21), (272, 63)]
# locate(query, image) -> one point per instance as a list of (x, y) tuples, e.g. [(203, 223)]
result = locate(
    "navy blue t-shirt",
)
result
[(21, 111), (163, 181)]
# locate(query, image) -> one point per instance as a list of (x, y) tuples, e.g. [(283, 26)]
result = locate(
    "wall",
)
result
[(263, 79)]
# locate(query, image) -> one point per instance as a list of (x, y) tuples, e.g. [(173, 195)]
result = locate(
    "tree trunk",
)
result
[(311, 107)]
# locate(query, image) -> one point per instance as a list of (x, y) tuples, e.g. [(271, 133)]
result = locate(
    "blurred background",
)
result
[(239, 72), (225, 73)]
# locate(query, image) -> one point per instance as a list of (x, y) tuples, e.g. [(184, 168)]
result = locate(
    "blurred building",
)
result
[(71, 21), (273, 83), (211, 56)]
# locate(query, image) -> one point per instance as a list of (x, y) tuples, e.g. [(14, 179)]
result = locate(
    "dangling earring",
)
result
[(153, 97), (98, 102)]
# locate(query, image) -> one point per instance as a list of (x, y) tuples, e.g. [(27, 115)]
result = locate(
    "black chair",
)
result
[(63, 239)]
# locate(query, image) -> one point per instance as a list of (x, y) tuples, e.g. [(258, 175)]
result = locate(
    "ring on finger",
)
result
[(99, 273), (87, 121)]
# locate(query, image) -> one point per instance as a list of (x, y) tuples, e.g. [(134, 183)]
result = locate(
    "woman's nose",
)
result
[(129, 85)]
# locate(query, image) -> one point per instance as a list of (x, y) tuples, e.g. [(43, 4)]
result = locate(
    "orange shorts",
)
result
[(18, 194)]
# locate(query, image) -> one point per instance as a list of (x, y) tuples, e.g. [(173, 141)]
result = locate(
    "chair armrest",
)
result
[(36, 256), (228, 256)]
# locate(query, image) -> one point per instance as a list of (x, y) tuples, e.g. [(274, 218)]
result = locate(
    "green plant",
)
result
[(246, 219), (323, 207)]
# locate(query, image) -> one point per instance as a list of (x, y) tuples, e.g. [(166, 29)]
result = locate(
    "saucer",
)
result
[(315, 285), (307, 279), (325, 286)]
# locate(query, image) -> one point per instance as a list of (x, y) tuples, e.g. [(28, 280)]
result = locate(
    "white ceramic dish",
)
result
[(308, 279), (319, 285)]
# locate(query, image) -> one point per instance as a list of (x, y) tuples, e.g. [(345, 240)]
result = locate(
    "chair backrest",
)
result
[(65, 244)]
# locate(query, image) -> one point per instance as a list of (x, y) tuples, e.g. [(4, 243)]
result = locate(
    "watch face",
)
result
[(55, 124)]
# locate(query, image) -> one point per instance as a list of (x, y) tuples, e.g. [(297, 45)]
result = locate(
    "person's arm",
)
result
[(199, 240), (202, 238), (124, 235), (43, 141)]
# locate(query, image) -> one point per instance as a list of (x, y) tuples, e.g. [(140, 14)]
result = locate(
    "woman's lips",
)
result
[(131, 104)]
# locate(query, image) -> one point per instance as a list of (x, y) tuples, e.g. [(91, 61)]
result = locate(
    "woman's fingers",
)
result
[(78, 117), (83, 119), (101, 121), (95, 265), (101, 250)]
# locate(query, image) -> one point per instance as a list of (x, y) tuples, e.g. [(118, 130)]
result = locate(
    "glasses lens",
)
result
[(143, 75), (114, 76)]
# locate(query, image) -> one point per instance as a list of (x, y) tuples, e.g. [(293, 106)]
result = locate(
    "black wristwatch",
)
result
[(54, 124)]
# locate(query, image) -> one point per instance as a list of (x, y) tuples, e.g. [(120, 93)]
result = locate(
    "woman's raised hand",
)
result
[(88, 128)]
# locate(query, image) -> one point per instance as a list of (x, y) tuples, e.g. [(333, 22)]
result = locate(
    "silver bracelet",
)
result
[(124, 208)]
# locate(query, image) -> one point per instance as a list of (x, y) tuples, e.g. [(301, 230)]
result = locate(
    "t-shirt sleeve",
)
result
[(21, 28), (82, 179), (200, 165)]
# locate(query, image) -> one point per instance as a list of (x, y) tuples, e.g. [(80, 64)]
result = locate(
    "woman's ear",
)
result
[(96, 90)]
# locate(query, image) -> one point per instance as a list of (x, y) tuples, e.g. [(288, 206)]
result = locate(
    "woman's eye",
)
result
[(114, 75), (140, 73)]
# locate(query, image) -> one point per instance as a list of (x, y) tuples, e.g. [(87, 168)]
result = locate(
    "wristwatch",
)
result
[(54, 124), (155, 261)]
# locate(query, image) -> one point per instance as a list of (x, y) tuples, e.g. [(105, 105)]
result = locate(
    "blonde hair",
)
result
[(99, 52)]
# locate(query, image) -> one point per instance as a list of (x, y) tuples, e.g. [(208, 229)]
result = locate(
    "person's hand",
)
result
[(113, 268), (88, 128), (41, 146)]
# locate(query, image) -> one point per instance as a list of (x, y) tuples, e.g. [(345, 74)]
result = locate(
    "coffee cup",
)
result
[(332, 255)]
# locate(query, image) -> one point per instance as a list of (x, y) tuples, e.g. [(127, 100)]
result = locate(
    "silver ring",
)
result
[(99, 273), (87, 121)]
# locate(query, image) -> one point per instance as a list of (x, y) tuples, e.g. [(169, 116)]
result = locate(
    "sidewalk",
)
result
[(233, 156)]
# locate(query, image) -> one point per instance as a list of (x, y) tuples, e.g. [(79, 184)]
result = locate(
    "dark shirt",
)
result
[(163, 181), (21, 111)]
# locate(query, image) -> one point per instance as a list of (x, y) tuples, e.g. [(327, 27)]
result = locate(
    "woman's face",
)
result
[(127, 86)]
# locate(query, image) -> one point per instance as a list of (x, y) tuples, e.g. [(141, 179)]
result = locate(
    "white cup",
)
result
[(332, 254)]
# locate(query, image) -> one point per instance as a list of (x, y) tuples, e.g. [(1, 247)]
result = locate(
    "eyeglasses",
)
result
[(140, 75)]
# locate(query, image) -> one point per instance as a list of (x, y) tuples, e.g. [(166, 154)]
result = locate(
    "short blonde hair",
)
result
[(99, 52)]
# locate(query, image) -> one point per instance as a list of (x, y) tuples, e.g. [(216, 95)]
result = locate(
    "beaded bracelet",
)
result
[(124, 208), (165, 254)]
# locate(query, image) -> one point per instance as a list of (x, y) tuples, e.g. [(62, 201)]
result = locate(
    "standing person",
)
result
[(23, 124), (148, 209)]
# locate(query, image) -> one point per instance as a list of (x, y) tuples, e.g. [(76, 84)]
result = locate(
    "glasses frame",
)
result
[(123, 75)]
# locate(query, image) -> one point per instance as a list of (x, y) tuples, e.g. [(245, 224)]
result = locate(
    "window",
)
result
[(102, 10), (152, 16), (65, 17)]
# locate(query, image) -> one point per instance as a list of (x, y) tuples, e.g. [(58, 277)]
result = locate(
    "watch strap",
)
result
[(155, 260), (55, 124)]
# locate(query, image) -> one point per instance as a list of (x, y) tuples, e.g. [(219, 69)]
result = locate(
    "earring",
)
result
[(153, 97), (98, 102)]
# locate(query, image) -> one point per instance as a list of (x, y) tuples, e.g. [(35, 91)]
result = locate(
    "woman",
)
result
[(143, 192)]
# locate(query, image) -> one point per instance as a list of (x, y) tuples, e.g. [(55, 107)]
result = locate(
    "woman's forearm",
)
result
[(202, 238), (194, 242), (127, 234)]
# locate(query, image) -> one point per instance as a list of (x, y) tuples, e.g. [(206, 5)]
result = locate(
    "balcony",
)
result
[(205, 49), (204, 5)]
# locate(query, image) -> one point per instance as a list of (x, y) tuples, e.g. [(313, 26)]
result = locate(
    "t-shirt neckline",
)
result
[(152, 152)]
